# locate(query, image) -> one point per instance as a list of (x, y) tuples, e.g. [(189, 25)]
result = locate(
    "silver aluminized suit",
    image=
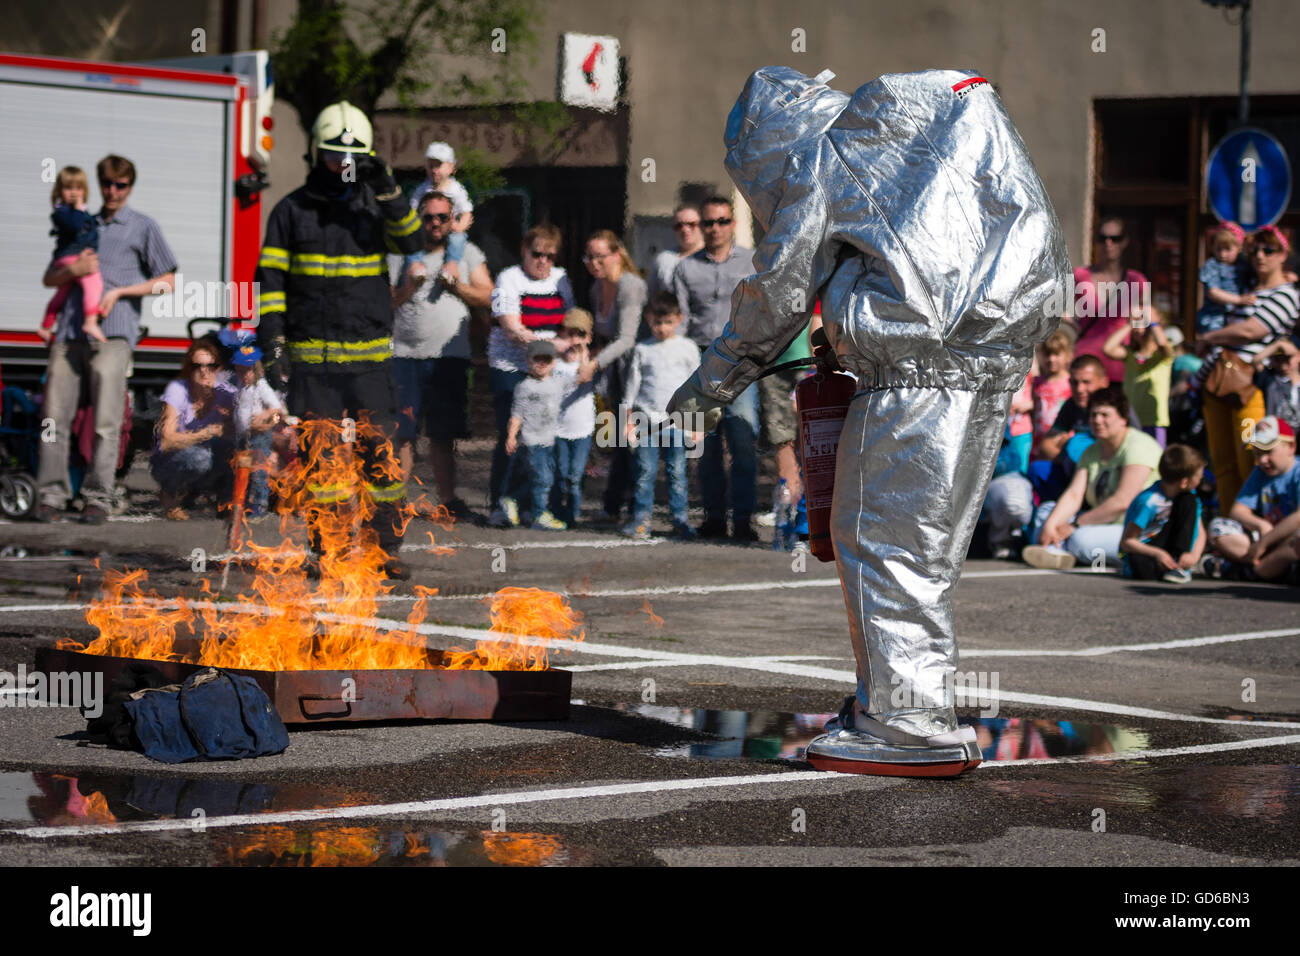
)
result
[(917, 215)]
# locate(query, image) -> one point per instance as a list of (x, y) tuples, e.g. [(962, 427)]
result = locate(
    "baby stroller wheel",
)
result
[(17, 495)]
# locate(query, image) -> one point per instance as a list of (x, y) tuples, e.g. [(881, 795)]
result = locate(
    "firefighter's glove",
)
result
[(376, 174), (277, 363), (697, 411)]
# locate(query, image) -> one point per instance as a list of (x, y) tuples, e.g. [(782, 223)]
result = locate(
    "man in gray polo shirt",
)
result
[(703, 283), (135, 261)]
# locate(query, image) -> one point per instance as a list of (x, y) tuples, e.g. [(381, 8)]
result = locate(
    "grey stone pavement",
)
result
[(1133, 724)]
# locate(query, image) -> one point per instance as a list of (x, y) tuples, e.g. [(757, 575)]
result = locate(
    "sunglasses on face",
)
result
[(542, 359), (119, 184), (710, 223), (435, 217), (538, 254), (206, 366), (1267, 250), (589, 257), (1102, 237), (694, 224)]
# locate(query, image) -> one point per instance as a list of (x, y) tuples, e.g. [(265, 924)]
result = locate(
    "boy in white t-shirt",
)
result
[(258, 410), (577, 415), (440, 164)]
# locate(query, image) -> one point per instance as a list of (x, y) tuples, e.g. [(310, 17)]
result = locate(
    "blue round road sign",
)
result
[(1248, 179)]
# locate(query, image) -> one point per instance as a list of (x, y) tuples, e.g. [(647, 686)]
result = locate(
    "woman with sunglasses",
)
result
[(192, 440), (618, 297), (528, 303), (1274, 315), (1106, 295)]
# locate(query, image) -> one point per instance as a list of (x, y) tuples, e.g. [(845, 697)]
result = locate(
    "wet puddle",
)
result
[(1263, 793), (773, 735), (54, 799)]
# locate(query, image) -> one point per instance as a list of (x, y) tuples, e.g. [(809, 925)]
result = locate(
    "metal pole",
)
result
[(1243, 111)]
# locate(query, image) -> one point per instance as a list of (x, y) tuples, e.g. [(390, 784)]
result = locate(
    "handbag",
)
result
[(1232, 379)]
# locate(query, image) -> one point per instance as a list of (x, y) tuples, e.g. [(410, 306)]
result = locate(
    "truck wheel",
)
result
[(17, 495)]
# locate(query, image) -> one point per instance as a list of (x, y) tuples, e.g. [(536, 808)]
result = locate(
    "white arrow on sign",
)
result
[(1246, 202)]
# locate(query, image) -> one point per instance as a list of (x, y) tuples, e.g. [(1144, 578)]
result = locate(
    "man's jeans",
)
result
[(503, 479), (647, 469), (106, 364), (740, 426)]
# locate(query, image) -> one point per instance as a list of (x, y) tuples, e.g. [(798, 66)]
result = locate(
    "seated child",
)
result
[(1162, 528), (1259, 538)]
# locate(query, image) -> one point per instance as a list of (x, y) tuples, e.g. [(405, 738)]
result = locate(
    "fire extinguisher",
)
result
[(823, 402)]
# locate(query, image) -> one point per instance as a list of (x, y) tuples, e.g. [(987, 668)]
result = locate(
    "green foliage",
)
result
[(476, 171), (404, 48)]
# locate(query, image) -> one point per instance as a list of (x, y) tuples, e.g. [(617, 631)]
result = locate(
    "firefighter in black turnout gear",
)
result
[(325, 309)]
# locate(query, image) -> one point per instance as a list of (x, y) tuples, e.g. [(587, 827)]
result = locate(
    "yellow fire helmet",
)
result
[(342, 128)]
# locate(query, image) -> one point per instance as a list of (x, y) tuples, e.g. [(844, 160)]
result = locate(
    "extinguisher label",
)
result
[(821, 441)]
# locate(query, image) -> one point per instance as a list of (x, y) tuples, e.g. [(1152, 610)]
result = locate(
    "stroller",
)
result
[(20, 427)]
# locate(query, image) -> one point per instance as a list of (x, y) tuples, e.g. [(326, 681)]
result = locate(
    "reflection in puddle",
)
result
[(767, 735), (1263, 793), (372, 846), (53, 799)]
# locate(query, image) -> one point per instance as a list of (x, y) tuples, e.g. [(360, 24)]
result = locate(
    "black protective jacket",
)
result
[(323, 275)]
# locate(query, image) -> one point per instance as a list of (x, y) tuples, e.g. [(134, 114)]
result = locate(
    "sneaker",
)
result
[(712, 528), (498, 519), (511, 509), (743, 530), (1002, 554), (683, 531), (1050, 558), (1211, 566), (458, 509), (548, 522), (46, 514), (94, 514), (1176, 576), (766, 519), (637, 530)]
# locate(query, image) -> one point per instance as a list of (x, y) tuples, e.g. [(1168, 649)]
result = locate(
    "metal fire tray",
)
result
[(307, 697)]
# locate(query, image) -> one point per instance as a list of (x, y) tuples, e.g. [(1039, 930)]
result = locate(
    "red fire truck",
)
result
[(199, 133)]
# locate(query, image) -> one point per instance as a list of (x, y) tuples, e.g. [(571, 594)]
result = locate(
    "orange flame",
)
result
[(275, 626), (521, 849), (655, 619)]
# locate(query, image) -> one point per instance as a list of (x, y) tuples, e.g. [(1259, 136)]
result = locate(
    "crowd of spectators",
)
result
[(1126, 447)]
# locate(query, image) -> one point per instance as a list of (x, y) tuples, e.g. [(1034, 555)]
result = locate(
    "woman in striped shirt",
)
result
[(1274, 314)]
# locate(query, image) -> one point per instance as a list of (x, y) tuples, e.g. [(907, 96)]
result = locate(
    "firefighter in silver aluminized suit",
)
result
[(915, 213)]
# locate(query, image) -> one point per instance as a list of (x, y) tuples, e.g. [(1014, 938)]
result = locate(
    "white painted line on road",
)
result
[(1117, 648), (584, 793), (1144, 754), (597, 543), (434, 806), (739, 662)]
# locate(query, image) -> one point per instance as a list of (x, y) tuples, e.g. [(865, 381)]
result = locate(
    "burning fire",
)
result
[(521, 849), (276, 626)]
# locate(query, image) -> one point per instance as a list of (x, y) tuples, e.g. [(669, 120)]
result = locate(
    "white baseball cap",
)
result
[(441, 152)]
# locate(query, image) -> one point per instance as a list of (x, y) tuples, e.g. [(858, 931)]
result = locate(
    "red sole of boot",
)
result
[(949, 769)]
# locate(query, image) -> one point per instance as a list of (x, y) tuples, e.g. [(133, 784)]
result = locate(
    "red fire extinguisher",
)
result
[(823, 402)]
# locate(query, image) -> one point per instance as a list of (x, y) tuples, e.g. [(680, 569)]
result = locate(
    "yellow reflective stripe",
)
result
[(316, 351), (331, 494), (404, 226), (274, 257), (314, 264), (386, 493), (270, 302)]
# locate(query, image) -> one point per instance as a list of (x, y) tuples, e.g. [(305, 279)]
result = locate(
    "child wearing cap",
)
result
[(577, 414), (1260, 538), (258, 410), (1278, 377), (440, 165), (530, 437)]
